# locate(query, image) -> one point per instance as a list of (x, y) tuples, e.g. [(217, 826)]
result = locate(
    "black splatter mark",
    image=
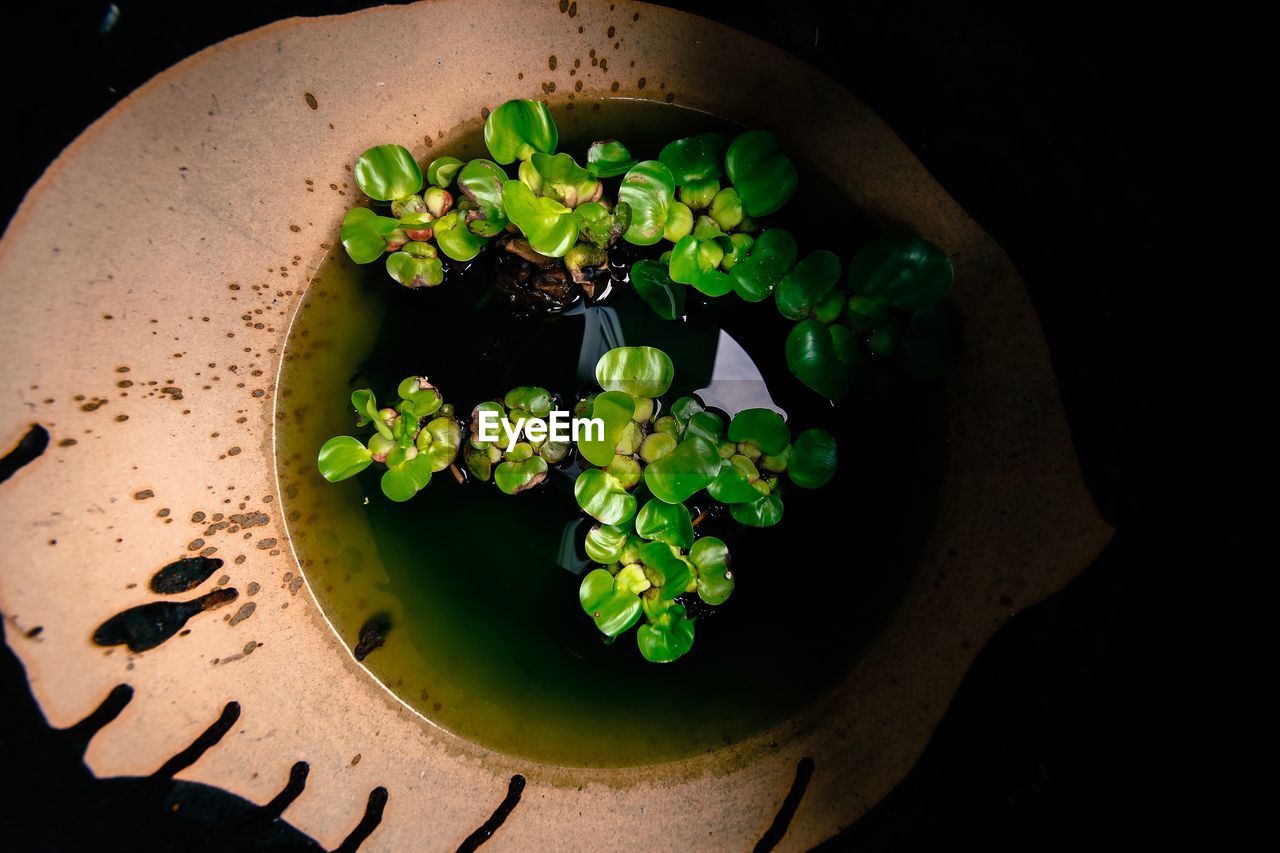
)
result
[(207, 739), (373, 633), (777, 829), (495, 821), (183, 575), (148, 625), (28, 448), (372, 817)]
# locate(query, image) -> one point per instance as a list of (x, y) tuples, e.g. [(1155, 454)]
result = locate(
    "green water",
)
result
[(480, 588)]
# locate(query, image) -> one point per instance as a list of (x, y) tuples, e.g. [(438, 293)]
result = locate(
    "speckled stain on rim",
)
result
[(228, 170)]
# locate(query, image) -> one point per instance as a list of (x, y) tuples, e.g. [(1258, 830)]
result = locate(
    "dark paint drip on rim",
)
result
[(777, 829), (499, 816), (207, 739), (148, 625), (372, 817), (29, 447)]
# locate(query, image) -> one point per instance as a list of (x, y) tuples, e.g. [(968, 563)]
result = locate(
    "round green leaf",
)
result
[(667, 571), (763, 426), (813, 459), (515, 130), (387, 173), (812, 357), (905, 272), (415, 272), (668, 638), (710, 556), (705, 425), (601, 226), (648, 189), (602, 497), (442, 171), (765, 512), (364, 234), (714, 283), (762, 174), (803, 289), (772, 256), (638, 371), (548, 225), (529, 399), (444, 436), (605, 543), (564, 180), (733, 484), (651, 281), (515, 477), (609, 159), (402, 481), (424, 397), (695, 158), (664, 522), (614, 610), (455, 239), (691, 467), (481, 181), (342, 457), (614, 409), (931, 344)]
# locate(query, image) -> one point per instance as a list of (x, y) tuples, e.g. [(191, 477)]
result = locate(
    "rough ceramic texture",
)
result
[(211, 194)]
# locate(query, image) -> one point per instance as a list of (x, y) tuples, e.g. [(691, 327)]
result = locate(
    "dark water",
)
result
[(486, 636)]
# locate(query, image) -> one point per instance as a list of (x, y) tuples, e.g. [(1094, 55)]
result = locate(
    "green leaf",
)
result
[(614, 409), (711, 558), (609, 159), (905, 272), (605, 543), (548, 225), (439, 441), (685, 408), (387, 173), (424, 397), (762, 174), (564, 180), (366, 406), (411, 271), (529, 399), (481, 181), (517, 129), (515, 477), (667, 638), (733, 484), (342, 457), (651, 281), (811, 356), (602, 497), (714, 283), (364, 234), (772, 256), (763, 426), (803, 289), (613, 610), (695, 158), (698, 253), (600, 226), (691, 467), (705, 425), (679, 222), (813, 459), (669, 572), (455, 239), (726, 208), (442, 170), (638, 371), (664, 522), (402, 481), (648, 189), (765, 512), (931, 344)]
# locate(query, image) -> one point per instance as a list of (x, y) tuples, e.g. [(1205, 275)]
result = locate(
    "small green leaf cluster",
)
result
[(894, 310), (417, 437), (519, 458), (648, 562), (554, 204)]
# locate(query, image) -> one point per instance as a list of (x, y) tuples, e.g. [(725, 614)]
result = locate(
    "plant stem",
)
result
[(701, 516), (457, 475)]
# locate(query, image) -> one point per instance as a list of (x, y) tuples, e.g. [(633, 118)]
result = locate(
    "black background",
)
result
[(1118, 154)]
